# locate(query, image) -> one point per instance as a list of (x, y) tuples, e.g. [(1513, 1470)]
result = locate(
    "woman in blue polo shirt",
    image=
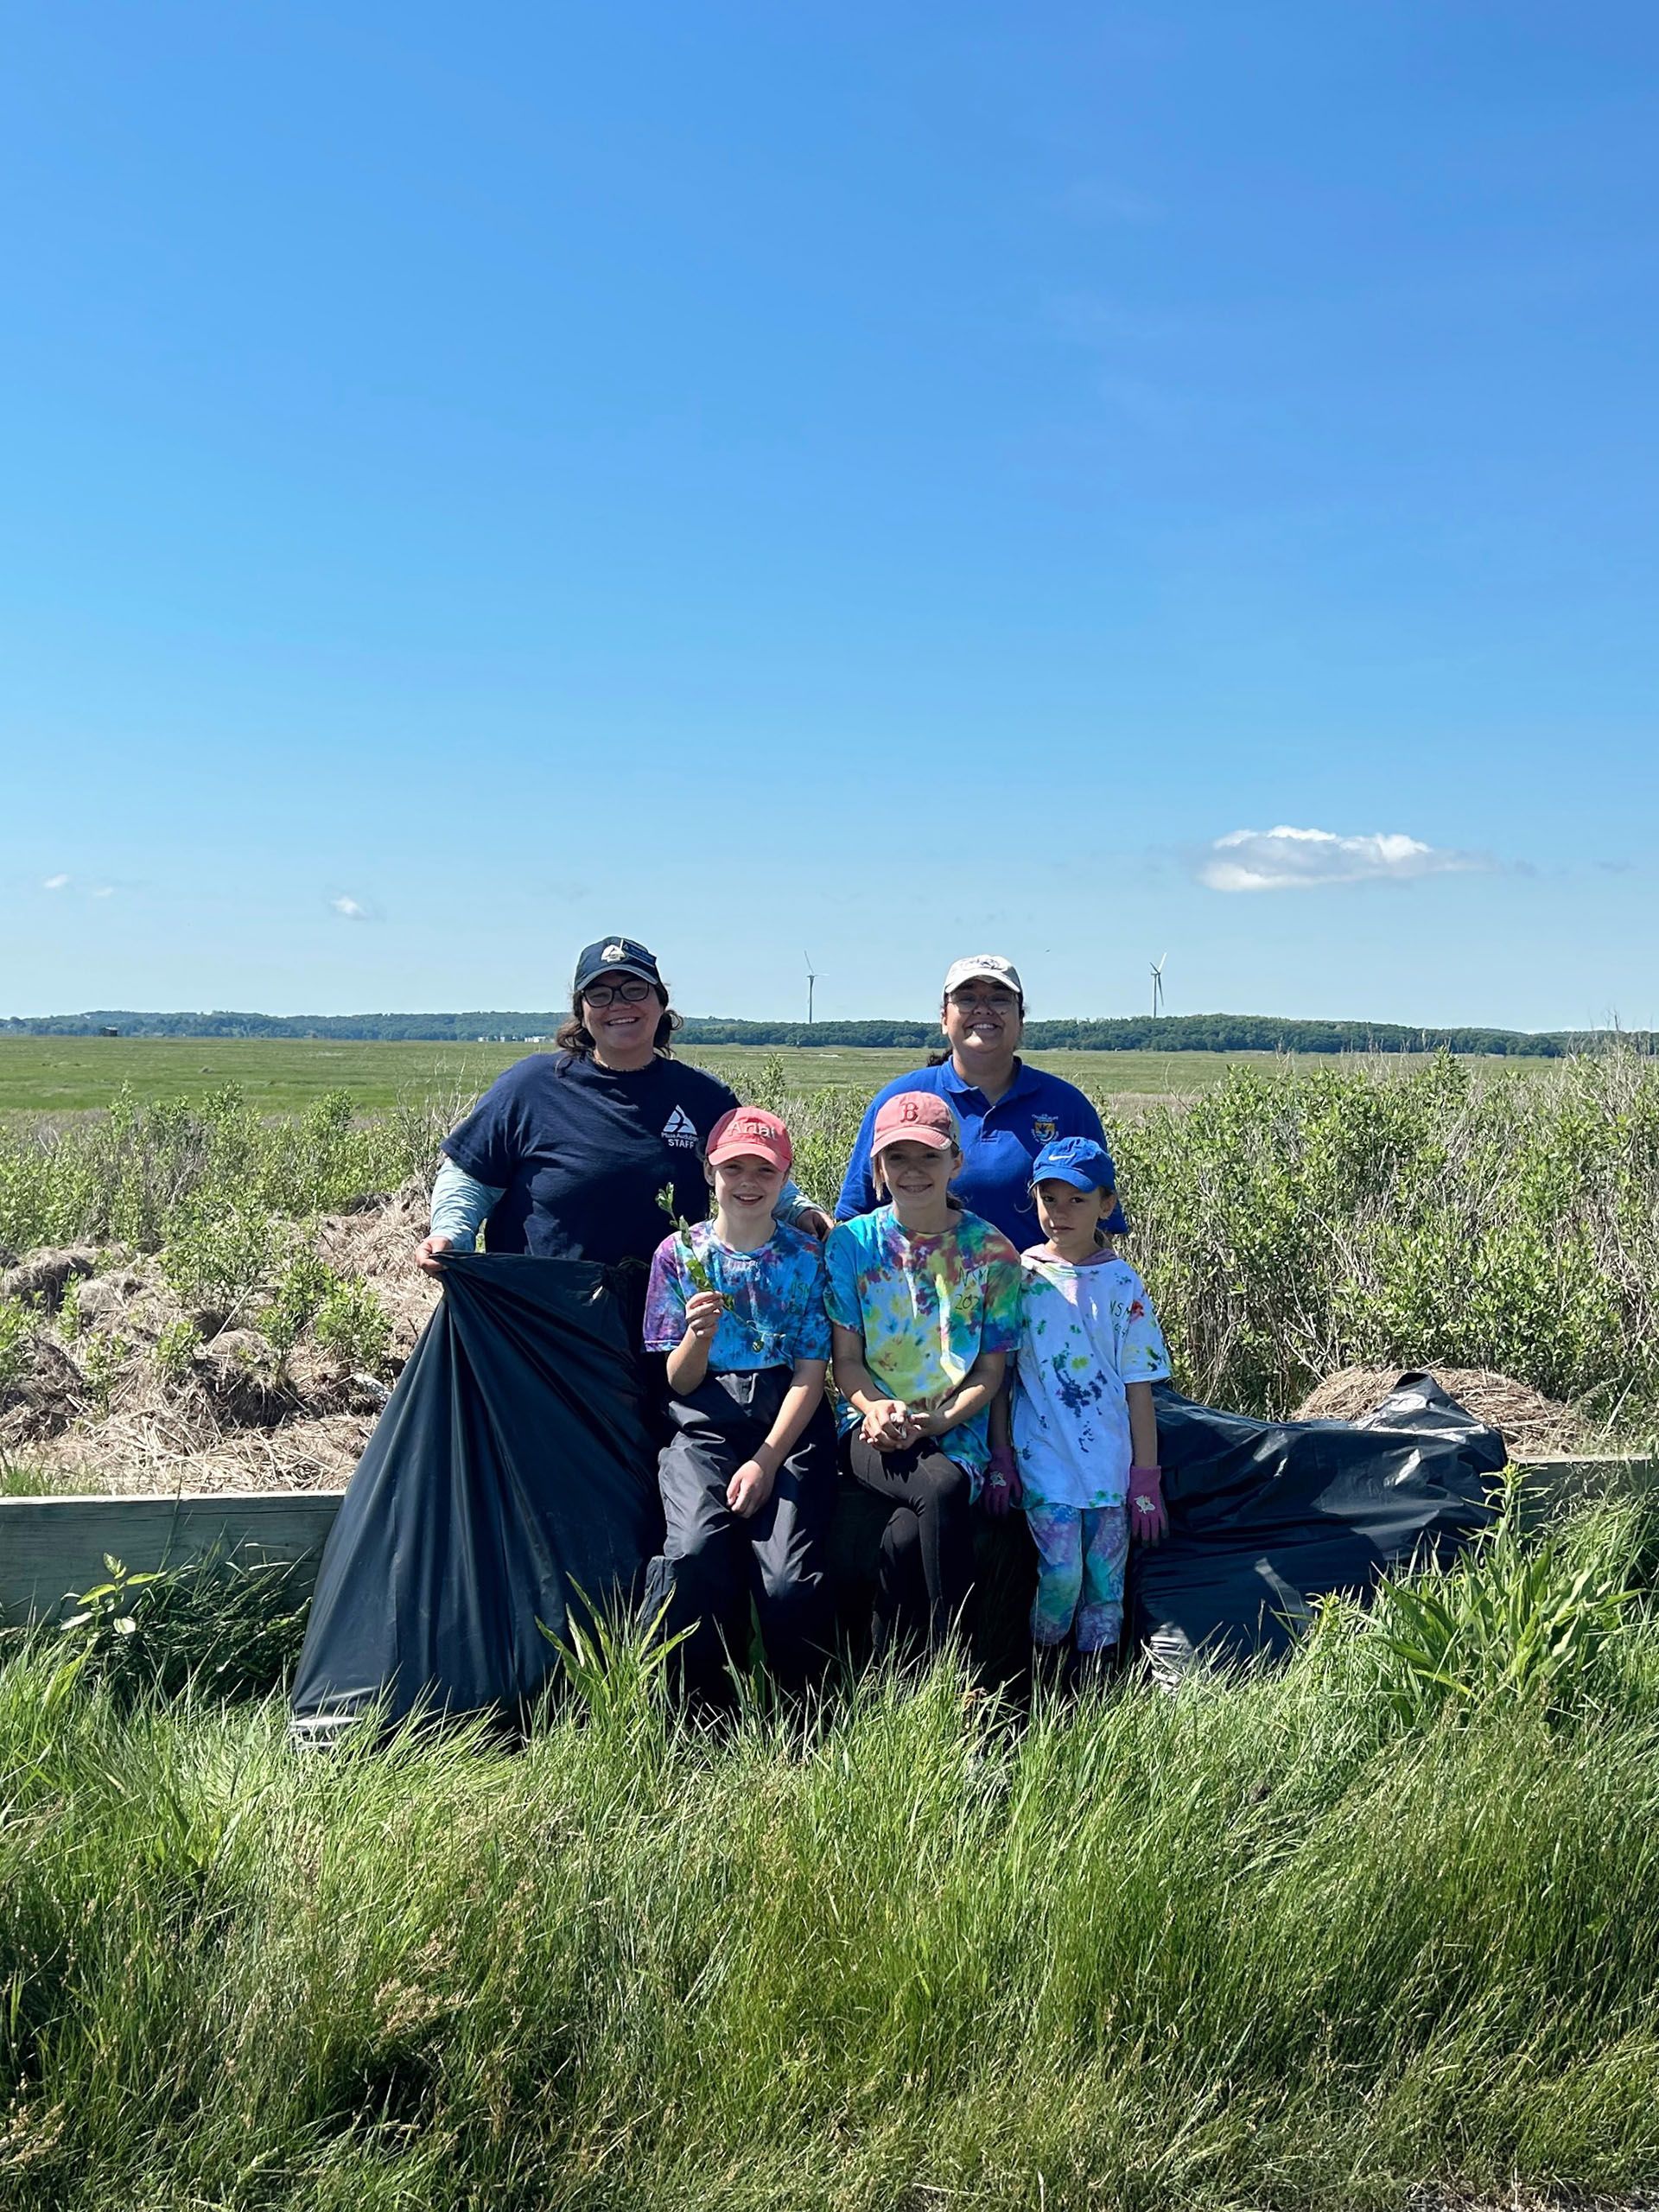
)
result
[(564, 1154), (1008, 1110)]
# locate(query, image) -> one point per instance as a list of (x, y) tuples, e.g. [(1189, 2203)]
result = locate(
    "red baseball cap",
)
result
[(749, 1131), (915, 1117)]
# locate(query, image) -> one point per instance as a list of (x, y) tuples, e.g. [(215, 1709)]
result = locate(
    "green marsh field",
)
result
[(69, 1074), (1378, 1927)]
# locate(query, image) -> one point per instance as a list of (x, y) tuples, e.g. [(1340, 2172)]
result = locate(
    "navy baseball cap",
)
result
[(616, 956), (1085, 1166)]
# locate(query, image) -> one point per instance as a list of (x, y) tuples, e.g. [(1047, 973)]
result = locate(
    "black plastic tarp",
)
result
[(515, 1465), (511, 1467), (1267, 1516)]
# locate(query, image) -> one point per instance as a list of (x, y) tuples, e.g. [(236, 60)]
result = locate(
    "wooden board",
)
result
[(50, 1547)]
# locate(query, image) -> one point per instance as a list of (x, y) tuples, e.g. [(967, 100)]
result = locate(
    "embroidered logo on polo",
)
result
[(680, 1128), (1045, 1128)]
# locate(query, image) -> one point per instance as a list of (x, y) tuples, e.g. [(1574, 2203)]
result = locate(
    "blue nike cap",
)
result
[(1085, 1166)]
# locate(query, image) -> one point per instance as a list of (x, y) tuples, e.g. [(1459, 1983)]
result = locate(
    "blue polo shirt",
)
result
[(998, 1144)]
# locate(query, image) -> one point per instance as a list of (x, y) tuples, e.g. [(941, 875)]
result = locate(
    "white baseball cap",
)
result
[(991, 965)]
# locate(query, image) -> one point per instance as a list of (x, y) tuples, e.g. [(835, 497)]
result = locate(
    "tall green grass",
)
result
[(1300, 1939)]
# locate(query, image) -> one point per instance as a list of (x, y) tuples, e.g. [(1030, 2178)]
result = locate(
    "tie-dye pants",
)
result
[(1081, 1558)]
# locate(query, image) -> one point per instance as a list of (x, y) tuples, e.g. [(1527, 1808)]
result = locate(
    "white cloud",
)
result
[(1302, 860), (55, 883), (103, 891), (352, 908)]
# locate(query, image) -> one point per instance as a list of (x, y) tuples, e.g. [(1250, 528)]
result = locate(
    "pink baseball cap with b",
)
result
[(915, 1117), (749, 1131)]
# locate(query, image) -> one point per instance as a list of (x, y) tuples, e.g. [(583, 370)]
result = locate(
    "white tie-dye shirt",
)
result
[(1085, 1334)]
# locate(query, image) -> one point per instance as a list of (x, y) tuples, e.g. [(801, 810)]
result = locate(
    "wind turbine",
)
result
[(1158, 986), (811, 980)]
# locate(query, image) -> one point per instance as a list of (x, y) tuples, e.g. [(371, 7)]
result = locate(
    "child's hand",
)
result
[(1149, 1516), (748, 1490), (1000, 1488), (889, 1425), (702, 1312)]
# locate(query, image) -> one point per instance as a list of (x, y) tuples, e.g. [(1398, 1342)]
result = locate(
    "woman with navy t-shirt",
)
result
[(564, 1154)]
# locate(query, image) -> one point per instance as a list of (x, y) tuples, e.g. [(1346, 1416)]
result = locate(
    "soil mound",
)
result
[(45, 1395), (40, 1279), (1533, 1425), (121, 1390)]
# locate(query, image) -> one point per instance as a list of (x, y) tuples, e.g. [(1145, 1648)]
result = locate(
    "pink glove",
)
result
[(1149, 1517), (1000, 1488)]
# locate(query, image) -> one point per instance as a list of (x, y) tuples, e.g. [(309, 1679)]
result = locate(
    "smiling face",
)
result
[(624, 1032), (1071, 1216), (918, 1176), (982, 1023), (747, 1184)]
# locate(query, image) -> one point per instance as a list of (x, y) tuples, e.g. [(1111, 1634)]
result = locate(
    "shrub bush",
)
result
[(1289, 1225), (353, 1324)]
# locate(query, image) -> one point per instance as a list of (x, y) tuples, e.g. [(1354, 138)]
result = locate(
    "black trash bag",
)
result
[(1264, 1517), (512, 1467)]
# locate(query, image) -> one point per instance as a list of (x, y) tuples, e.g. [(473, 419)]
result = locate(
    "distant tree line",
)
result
[(1170, 1033)]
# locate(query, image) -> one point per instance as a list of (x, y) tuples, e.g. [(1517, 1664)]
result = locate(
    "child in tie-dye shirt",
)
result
[(923, 1304), (749, 1476), (1085, 1430)]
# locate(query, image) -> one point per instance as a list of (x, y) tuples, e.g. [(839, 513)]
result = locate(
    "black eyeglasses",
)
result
[(631, 994), (997, 1001)]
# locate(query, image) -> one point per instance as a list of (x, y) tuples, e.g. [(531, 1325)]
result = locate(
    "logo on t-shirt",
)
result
[(680, 1128), (1045, 1128)]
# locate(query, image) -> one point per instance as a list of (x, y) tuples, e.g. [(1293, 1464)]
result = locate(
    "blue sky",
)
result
[(881, 482)]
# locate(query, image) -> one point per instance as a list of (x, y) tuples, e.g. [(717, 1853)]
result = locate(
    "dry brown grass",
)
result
[(95, 1412), (1533, 1425)]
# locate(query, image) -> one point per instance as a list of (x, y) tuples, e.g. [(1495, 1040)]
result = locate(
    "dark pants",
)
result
[(926, 1566), (713, 1563)]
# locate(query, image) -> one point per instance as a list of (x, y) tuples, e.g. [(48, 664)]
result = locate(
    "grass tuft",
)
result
[(1305, 1937)]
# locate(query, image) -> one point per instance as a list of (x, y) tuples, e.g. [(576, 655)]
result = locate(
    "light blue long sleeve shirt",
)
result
[(460, 1205)]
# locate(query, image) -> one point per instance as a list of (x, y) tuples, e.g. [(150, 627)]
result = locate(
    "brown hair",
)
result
[(572, 1036)]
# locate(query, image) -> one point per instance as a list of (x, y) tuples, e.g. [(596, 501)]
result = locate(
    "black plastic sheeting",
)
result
[(512, 1467), (1265, 1516), (515, 1466)]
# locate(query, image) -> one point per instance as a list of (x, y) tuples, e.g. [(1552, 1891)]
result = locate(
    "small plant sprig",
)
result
[(697, 1267), (694, 1264)]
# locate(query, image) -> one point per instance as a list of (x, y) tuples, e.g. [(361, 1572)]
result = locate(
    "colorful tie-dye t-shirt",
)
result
[(927, 1307), (1084, 1333), (774, 1296)]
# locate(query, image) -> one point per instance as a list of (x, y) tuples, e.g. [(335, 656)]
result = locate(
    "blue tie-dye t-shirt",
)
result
[(927, 1307), (774, 1296)]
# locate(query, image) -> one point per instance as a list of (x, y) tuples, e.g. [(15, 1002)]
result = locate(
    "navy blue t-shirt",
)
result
[(579, 1153)]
